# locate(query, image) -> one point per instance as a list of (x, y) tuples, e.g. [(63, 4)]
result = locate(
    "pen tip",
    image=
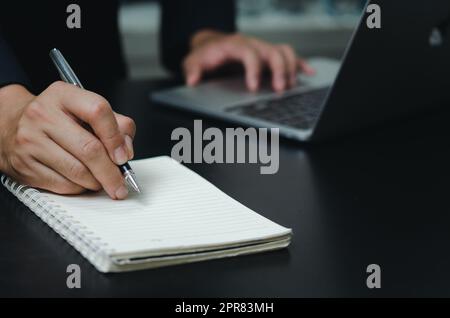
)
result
[(131, 180)]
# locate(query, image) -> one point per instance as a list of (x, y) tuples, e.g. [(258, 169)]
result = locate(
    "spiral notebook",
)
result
[(179, 218)]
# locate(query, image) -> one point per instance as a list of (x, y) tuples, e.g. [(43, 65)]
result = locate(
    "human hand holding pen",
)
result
[(68, 75), (43, 143)]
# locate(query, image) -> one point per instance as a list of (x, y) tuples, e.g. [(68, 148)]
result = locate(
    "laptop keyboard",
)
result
[(300, 111)]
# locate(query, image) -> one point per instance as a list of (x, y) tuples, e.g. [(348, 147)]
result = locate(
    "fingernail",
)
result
[(191, 79), (253, 84), (129, 143), (120, 155), (122, 193), (280, 84)]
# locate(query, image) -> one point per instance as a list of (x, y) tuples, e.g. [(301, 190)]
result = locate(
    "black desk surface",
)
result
[(373, 198)]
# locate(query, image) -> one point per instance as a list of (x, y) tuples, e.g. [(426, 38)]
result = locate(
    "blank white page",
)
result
[(176, 210)]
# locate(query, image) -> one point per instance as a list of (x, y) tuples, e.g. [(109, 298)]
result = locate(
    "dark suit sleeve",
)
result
[(10, 70), (181, 19)]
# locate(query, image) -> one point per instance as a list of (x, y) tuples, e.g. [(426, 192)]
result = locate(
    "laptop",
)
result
[(395, 71)]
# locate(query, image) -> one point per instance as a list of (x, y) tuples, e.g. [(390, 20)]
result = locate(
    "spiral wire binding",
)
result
[(77, 235)]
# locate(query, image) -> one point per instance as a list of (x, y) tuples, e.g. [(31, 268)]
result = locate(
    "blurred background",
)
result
[(312, 27)]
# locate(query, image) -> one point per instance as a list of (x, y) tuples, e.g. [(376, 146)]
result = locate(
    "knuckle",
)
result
[(91, 148), (99, 108), (234, 41), (57, 86), (289, 52), (234, 37), (274, 54), (286, 47), (35, 110), (22, 137)]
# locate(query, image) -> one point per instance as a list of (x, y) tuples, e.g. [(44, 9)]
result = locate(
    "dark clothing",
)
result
[(182, 18), (29, 31), (33, 28)]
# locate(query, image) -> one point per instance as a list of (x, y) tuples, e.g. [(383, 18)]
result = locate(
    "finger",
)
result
[(48, 179), (128, 128), (278, 67), (126, 125), (277, 64), (291, 61), (250, 58), (88, 149), (253, 65), (204, 59), (129, 143), (53, 156), (305, 67), (95, 111), (210, 57), (193, 70)]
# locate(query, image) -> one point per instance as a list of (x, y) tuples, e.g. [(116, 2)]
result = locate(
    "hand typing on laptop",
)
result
[(211, 50)]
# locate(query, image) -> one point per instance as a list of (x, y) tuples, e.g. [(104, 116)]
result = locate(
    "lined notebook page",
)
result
[(177, 209)]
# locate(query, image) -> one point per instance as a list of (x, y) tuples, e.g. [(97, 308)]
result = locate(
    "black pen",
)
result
[(68, 76)]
